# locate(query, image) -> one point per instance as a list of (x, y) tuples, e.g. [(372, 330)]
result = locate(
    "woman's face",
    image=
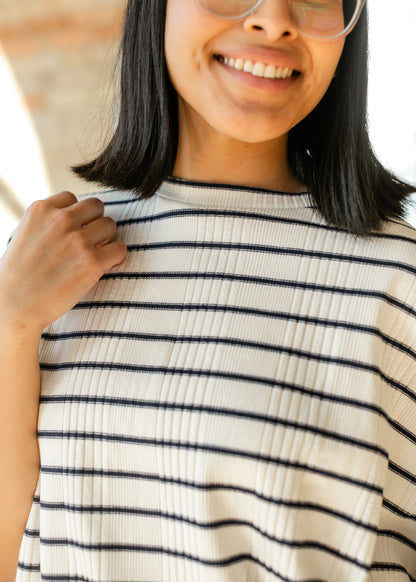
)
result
[(246, 107)]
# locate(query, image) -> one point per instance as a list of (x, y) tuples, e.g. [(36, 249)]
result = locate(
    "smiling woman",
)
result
[(240, 114), (147, 133), (217, 355)]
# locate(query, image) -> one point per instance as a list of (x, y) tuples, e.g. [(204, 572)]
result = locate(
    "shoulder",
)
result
[(396, 241), (399, 227), (390, 255), (390, 267)]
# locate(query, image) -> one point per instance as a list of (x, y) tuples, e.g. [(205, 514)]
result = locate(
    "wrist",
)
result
[(18, 328)]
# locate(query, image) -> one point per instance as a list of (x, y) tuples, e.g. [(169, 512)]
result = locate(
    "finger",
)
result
[(101, 230), (112, 254), (86, 211), (62, 200)]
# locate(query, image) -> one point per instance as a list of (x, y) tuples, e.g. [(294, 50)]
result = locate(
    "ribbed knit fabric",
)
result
[(235, 403)]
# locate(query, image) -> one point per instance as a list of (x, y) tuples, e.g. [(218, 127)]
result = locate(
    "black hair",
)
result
[(329, 151)]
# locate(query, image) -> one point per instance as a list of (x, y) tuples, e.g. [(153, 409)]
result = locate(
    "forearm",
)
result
[(59, 251), (19, 451)]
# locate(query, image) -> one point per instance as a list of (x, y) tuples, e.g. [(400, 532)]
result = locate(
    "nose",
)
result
[(273, 18)]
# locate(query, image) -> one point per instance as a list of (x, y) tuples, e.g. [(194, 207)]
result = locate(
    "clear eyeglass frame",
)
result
[(354, 19)]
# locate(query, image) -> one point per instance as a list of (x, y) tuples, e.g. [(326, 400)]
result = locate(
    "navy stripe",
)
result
[(272, 250), (119, 202), (114, 366), (206, 525), (303, 506), (51, 434), (347, 440), (289, 386), (232, 187), (102, 510), (350, 402), (267, 313), (28, 567), (398, 537), (177, 554), (76, 578), (234, 342), (250, 215), (391, 567), (119, 510), (390, 506), (402, 472), (401, 223), (222, 213), (31, 533), (285, 283), (275, 315)]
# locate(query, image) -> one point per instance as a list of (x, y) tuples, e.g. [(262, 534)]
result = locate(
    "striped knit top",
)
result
[(236, 402)]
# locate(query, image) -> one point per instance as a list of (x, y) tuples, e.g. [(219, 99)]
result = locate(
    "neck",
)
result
[(216, 158)]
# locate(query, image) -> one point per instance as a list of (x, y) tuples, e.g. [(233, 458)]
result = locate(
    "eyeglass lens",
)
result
[(317, 17)]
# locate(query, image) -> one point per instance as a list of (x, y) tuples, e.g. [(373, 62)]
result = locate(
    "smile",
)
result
[(257, 69)]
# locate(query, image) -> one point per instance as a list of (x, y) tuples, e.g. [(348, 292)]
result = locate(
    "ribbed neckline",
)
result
[(229, 196)]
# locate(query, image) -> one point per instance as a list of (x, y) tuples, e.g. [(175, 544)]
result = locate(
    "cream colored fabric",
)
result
[(235, 403)]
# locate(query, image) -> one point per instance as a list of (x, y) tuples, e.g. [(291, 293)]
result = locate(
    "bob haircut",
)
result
[(329, 150)]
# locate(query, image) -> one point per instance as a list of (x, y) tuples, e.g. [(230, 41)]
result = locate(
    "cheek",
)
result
[(175, 29), (181, 60), (335, 55), (325, 66), (170, 37)]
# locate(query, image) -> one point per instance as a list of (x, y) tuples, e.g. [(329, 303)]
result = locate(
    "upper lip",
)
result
[(266, 56)]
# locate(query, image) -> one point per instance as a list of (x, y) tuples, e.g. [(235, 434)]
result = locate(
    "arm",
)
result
[(19, 452), (60, 250)]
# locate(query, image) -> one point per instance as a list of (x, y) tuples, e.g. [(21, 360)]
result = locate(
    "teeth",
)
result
[(258, 69), (248, 67), (270, 72)]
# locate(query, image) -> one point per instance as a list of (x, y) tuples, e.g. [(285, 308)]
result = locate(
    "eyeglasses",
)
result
[(324, 19)]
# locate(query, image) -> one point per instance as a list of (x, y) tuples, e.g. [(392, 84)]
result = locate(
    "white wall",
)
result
[(22, 169), (392, 87)]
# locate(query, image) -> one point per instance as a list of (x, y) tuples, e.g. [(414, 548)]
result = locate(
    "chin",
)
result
[(252, 128), (253, 135)]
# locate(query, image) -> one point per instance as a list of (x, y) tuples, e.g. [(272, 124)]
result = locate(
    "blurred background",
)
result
[(57, 67), (57, 61)]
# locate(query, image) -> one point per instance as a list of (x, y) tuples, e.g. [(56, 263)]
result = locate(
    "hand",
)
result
[(59, 251)]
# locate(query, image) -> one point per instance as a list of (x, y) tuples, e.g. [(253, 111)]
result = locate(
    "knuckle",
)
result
[(38, 213), (110, 224), (121, 250), (69, 196), (62, 220), (96, 203), (37, 209), (121, 246)]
